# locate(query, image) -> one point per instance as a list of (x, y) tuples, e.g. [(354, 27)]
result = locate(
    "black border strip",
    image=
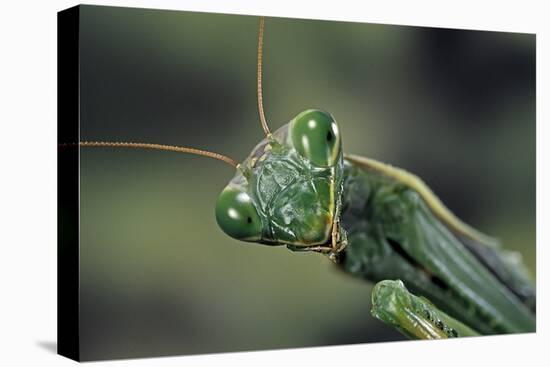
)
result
[(68, 213)]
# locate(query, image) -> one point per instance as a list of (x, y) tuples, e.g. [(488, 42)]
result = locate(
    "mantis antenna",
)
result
[(260, 54), (171, 148)]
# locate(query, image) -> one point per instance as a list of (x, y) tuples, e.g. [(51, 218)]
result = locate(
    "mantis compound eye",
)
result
[(315, 136), (237, 216)]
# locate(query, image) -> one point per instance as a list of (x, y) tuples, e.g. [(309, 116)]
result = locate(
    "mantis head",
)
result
[(287, 192)]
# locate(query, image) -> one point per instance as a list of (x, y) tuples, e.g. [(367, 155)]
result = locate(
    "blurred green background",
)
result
[(157, 275)]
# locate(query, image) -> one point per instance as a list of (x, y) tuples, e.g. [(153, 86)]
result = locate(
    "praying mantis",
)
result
[(436, 277)]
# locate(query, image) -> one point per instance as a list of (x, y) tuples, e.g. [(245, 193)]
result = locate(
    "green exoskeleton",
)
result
[(414, 316), (299, 189)]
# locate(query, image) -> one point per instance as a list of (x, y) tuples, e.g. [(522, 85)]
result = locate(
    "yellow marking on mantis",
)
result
[(433, 202)]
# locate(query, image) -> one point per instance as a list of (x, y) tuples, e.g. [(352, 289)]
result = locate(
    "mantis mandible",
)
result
[(298, 189)]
